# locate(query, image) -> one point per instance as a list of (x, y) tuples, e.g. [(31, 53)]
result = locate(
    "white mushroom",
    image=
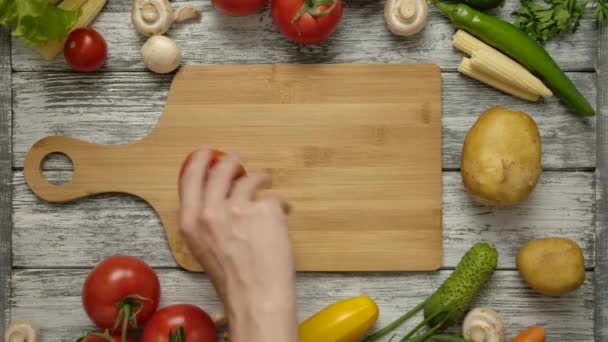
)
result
[(406, 17), (483, 325), (22, 331), (161, 55), (186, 12), (152, 17)]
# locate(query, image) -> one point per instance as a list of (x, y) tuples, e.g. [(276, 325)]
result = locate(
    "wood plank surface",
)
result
[(118, 108), (53, 298), (6, 208), (601, 270), (362, 37), (46, 235)]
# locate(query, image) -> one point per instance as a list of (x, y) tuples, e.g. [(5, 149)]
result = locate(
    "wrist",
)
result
[(263, 320)]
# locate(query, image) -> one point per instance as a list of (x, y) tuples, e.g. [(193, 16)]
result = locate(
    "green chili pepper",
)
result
[(484, 4), (520, 46)]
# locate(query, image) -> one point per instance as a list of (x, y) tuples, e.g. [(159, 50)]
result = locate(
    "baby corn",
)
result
[(466, 68), (501, 67), (489, 63)]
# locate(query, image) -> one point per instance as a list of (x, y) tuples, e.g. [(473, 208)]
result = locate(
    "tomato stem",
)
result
[(312, 7), (126, 314), (179, 336), (125, 323)]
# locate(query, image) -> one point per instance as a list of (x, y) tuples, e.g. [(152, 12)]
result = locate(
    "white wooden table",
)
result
[(46, 250)]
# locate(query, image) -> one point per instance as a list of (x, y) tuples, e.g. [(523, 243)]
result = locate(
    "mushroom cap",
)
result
[(483, 325), (22, 331), (161, 54), (406, 17), (152, 17)]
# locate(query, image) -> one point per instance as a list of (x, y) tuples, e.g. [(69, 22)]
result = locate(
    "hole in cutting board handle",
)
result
[(57, 161)]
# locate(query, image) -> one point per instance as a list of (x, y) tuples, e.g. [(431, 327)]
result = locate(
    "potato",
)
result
[(501, 158), (552, 266)]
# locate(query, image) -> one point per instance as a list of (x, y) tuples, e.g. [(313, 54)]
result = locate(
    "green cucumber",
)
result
[(449, 303)]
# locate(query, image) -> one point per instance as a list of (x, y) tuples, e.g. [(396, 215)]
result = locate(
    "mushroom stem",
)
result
[(152, 17), (405, 17), (407, 9)]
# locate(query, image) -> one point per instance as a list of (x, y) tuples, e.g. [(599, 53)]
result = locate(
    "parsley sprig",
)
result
[(545, 22)]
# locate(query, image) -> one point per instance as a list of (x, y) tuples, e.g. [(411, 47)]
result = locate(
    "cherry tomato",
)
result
[(217, 155), (85, 49), (239, 7), (314, 25), (120, 288), (103, 337), (188, 320)]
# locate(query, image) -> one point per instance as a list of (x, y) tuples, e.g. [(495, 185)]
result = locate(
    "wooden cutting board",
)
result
[(356, 149)]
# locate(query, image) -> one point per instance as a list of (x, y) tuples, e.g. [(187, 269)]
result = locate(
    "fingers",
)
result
[(246, 188), (277, 202), (191, 185), (221, 178)]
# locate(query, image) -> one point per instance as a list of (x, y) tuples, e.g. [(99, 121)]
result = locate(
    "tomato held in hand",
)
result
[(239, 7), (183, 322), (217, 155), (103, 337), (307, 21), (120, 292), (85, 49)]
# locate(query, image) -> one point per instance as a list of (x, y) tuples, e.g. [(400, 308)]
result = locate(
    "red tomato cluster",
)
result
[(123, 292), (303, 21)]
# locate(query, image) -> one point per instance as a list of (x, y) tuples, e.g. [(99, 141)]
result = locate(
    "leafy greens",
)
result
[(545, 22), (36, 21)]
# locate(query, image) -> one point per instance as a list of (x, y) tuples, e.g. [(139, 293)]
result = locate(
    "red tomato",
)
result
[(196, 324), (120, 285), (85, 49), (103, 337), (239, 7), (312, 27), (217, 155)]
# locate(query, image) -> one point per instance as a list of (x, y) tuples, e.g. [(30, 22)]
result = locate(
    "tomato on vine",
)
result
[(307, 21), (121, 291)]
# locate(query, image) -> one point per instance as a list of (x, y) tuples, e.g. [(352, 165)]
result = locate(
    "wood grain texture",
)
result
[(37, 293), (119, 108), (46, 235), (361, 38), (6, 173), (601, 270), (355, 148)]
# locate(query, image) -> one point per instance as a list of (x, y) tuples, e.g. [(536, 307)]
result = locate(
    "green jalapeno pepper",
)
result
[(521, 47)]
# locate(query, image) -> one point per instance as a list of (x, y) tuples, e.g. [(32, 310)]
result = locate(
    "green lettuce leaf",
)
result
[(36, 21)]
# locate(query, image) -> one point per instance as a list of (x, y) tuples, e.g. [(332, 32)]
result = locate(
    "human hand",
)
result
[(242, 242)]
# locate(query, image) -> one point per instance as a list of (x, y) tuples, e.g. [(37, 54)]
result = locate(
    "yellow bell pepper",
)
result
[(344, 321)]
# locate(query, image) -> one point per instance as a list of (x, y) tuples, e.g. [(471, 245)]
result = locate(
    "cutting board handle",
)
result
[(74, 149)]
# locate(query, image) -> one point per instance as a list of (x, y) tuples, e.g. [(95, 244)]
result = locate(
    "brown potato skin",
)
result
[(552, 266), (501, 158)]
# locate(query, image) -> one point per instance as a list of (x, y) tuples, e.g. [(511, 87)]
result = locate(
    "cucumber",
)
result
[(449, 303), (457, 293)]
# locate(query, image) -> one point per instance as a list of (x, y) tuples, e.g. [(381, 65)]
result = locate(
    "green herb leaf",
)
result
[(36, 21), (545, 22)]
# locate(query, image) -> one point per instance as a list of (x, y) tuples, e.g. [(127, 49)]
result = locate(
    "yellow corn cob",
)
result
[(466, 68), (466, 43), (503, 68), (89, 9)]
